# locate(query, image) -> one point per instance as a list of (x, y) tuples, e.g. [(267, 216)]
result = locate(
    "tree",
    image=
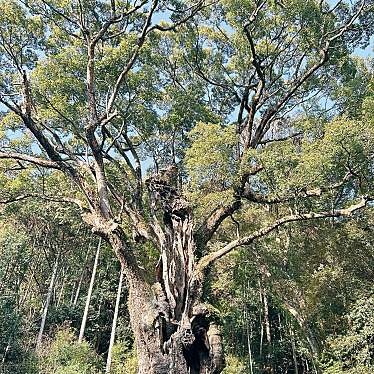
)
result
[(114, 324), (165, 119), (88, 300), (46, 304)]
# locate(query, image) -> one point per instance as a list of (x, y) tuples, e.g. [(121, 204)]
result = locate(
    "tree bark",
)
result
[(269, 353), (173, 331), (191, 345), (249, 346)]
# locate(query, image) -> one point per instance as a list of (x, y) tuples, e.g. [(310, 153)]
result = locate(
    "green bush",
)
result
[(124, 359), (234, 365), (64, 355)]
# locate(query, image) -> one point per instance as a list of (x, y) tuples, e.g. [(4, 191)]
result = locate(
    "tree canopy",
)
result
[(191, 136)]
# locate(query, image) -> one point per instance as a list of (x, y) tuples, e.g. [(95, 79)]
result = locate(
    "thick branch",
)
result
[(32, 159), (43, 197), (304, 193), (211, 224), (212, 257)]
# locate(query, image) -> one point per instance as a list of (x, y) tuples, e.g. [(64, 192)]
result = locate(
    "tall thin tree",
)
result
[(89, 294), (114, 324), (47, 302)]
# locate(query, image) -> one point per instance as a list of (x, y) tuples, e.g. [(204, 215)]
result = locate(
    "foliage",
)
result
[(234, 366), (352, 352), (240, 121), (124, 359), (63, 355)]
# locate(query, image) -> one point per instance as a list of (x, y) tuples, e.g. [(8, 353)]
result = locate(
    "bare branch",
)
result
[(193, 10), (326, 46), (44, 197), (132, 59), (32, 159), (212, 257), (282, 139)]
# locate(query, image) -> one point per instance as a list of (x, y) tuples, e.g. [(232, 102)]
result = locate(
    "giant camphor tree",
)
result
[(168, 121)]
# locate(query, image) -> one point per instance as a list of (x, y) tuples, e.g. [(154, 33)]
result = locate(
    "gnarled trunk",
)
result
[(189, 346), (174, 333)]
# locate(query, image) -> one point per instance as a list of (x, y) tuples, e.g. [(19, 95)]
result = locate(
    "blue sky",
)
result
[(368, 51)]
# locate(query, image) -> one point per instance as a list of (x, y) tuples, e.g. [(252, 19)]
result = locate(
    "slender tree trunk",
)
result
[(308, 333), (269, 355), (293, 345), (89, 294), (266, 318), (81, 277), (114, 324), (47, 302), (7, 349), (260, 320), (62, 289), (247, 325), (249, 333), (280, 327)]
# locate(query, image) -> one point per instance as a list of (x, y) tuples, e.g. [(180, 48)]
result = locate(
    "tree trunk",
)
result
[(89, 294), (294, 355), (249, 333), (62, 289), (266, 321), (189, 346), (79, 285), (173, 332), (114, 324), (46, 305), (308, 333)]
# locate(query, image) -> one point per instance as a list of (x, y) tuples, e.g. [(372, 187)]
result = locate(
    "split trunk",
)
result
[(174, 332)]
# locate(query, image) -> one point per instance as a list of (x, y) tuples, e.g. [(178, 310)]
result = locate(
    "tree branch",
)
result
[(211, 224), (212, 257), (44, 197), (32, 159), (326, 46), (132, 60)]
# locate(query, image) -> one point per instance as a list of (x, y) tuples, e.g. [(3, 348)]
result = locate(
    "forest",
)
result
[(187, 186)]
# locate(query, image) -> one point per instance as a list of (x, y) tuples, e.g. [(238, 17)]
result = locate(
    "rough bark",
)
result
[(192, 346), (174, 332), (172, 342)]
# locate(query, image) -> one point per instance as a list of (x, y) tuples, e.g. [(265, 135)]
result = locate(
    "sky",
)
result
[(368, 51)]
